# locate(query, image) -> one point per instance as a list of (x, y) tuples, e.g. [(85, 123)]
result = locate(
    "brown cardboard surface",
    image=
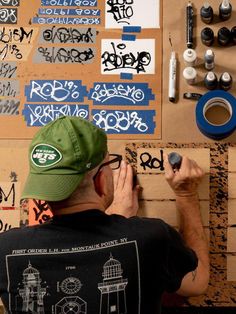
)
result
[(28, 69), (176, 130), (178, 120)]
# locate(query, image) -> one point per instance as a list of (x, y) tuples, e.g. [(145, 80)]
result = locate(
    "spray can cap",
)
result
[(206, 5), (211, 76), (225, 4), (226, 77), (209, 53)]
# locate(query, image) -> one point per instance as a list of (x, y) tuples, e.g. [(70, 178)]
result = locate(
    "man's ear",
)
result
[(99, 184)]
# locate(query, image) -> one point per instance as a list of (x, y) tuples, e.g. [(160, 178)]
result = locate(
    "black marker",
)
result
[(225, 81), (233, 34), (193, 96), (224, 36), (206, 13), (225, 10), (210, 80), (189, 25), (175, 160), (207, 36)]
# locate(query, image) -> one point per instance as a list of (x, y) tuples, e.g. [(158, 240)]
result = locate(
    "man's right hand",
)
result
[(184, 182)]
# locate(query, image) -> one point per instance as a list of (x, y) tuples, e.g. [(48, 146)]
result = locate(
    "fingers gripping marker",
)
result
[(175, 160)]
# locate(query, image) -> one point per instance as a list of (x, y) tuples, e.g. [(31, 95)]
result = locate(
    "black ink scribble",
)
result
[(121, 10), (118, 59)]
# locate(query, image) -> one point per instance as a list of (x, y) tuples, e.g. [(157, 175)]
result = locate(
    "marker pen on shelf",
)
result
[(172, 77)]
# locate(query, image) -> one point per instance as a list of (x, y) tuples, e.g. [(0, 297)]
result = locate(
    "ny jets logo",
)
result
[(44, 155)]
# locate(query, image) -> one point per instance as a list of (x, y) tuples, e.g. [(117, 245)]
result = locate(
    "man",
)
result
[(95, 256)]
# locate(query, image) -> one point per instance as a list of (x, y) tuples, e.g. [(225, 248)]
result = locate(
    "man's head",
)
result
[(60, 156)]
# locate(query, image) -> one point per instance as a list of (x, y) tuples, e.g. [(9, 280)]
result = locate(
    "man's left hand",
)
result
[(125, 202)]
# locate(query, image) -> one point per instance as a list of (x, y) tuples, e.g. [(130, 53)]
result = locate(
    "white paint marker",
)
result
[(172, 77)]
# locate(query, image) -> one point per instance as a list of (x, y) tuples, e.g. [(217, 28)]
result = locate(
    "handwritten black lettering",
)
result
[(9, 107), (11, 193), (7, 89), (66, 55), (122, 10), (147, 161), (65, 35), (119, 60), (39, 210), (10, 50), (4, 226), (18, 35), (7, 70)]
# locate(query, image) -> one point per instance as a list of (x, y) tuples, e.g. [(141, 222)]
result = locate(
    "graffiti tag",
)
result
[(9, 107), (68, 35), (67, 20), (10, 3), (79, 12), (8, 16), (121, 10), (8, 69), (67, 3), (55, 90), (39, 115), (9, 88), (148, 161), (42, 211), (15, 35), (10, 50), (64, 55), (125, 122), (4, 197), (121, 94), (119, 59), (4, 226)]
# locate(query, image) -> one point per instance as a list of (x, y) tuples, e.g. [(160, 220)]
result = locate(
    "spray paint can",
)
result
[(209, 59), (190, 75), (190, 57), (225, 10), (206, 13), (225, 81), (207, 36), (224, 36), (233, 35), (211, 81)]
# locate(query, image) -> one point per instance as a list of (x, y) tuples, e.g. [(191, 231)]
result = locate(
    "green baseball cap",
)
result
[(60, 155)]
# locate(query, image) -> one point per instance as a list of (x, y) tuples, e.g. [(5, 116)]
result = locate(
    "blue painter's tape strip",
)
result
[(209, 100), (128, 37), (126, 76), (132, 29)]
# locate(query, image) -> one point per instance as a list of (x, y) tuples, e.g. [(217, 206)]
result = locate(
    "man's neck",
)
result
[(75, 208)]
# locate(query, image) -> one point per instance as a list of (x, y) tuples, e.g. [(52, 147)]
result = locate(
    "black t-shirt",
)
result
[(92, 263)]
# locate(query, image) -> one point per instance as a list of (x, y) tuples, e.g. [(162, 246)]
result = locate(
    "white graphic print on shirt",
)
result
[(99, 278)]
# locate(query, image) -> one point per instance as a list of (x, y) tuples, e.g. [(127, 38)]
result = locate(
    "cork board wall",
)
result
[(39, 80)]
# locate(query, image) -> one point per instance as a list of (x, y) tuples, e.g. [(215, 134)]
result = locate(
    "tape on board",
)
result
[(210, 100)]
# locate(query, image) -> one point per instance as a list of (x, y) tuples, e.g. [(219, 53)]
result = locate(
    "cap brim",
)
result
[(51, 187)]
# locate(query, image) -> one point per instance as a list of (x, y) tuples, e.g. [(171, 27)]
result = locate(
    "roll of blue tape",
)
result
[(213, 99)]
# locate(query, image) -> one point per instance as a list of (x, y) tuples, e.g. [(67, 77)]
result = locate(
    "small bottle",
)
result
[(225, 81), (209, 59), (206, 13), (225, 10), (190, 75), (190, 57), (207, 36), (211, 81), (224, 36), (233, 35)]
